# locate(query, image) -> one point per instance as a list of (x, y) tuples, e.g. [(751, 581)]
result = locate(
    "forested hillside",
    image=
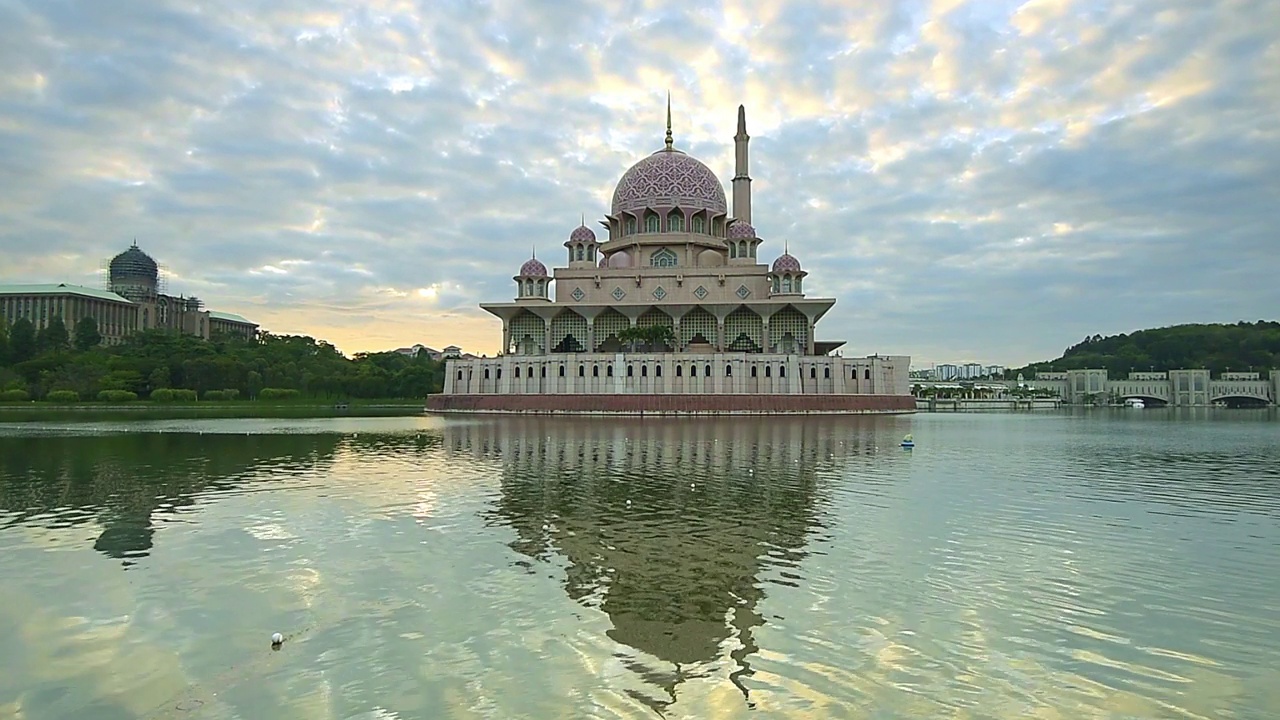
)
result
[(1219, 347)]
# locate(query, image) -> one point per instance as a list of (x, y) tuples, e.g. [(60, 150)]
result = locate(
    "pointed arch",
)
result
[(664, 257)]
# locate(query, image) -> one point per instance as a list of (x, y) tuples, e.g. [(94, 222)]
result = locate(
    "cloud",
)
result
[(979, 180)]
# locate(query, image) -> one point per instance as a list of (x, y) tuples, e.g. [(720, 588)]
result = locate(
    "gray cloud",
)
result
[(986, 180)]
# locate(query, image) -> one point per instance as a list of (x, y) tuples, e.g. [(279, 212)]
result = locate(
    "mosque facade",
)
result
[(670, 310)]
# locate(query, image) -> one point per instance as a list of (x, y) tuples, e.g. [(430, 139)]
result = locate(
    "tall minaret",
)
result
[(741, 181)]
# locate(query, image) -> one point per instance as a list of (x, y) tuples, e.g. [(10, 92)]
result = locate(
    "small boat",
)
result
[(908, 442), (1134, 404)]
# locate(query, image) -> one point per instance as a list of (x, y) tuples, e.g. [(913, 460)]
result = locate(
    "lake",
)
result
[(1089, 564)]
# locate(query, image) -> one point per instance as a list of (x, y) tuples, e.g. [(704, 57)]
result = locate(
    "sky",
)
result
[(987, 181)]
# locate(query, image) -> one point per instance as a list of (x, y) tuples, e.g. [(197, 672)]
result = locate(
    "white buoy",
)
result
[(276, 638)]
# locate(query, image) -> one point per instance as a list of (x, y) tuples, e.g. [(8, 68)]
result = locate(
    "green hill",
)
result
[(1218, 347)]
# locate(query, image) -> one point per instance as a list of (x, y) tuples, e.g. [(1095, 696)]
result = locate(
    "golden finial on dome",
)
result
[(668, 119)]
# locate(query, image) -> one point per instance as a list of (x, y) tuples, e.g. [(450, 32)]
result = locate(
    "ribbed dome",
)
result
[(133, 264), (786, 263), (667, 179), (582, 233), (533, 267), (741, 230)]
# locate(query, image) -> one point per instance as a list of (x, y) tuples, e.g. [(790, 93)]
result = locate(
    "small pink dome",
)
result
[(582, 234), (533, 267), (786, 263), (741, 230)]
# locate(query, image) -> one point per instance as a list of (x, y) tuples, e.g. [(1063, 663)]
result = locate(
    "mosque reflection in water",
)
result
[(123, 481), (675, 528)]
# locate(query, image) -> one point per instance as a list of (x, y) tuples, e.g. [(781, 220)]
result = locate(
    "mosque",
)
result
[(671, 312)]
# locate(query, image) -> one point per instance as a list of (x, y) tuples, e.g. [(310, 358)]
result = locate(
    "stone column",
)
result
[(591, 334), (809, 344), (720, 341), (546, 333), (506, 337), (764, 335)]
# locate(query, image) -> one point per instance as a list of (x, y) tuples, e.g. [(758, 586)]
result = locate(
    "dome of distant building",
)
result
[(133, 264), (741, 230), (786, 263), (666, 179), (533, 267), (582, 233)]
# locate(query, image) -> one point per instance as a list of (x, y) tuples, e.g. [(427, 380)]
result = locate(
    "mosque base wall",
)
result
[(681, 404)]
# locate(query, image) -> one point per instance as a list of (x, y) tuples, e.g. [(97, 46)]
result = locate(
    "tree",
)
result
[(159, 378), (87, 335), (22, 341), (4, 342), (54, 336), (254, 381)]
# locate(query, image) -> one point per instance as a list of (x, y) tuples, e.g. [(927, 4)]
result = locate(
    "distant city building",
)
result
[(450, 351), (967, 371), (134, 301)]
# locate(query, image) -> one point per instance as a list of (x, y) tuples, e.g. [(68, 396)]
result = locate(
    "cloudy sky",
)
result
[(987, 180)]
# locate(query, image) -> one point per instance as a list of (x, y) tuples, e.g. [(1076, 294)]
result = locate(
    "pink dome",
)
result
[(533, 267), (668, 178), (741, 230), (786, 263), (582, 234)]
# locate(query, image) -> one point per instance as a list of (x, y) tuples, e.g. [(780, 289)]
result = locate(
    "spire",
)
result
[(584, 220), (668, 119), (534, 250), (741, 174)]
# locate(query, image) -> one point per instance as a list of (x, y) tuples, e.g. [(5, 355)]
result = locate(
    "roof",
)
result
[(61, 289), (230, 317)]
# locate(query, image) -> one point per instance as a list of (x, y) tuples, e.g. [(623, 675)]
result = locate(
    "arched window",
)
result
[(853, 374), (518, 372), (675, 221), (644, 371), (544, 371), (728, 371), (486, 373), (580, 251), (561, 371), (826, 373), (733, 250), (631, 371), (591, 252), (813, 372), (700, 225), (657, 371), (651, 224), (866, 374), (582, 371), (499, 375), (768, 371), (777, 287), (528, 287), (679, 371), (459, 374), (631, 226), (595, 371), (786, 283), (753, 371), (782, 371), (693, 371), (752, 247), (797, 286), (663, 258), (609, 371), (706, 371)]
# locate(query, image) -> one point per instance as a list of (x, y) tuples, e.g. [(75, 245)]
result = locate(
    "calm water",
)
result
[(1108, 565)]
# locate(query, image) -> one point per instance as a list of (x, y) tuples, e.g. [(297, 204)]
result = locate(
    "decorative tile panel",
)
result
[(659, 293), (744, 291), (619, 293), (701, 292), (577, 294)]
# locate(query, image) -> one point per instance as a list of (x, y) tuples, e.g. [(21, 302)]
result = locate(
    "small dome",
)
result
[(604, 262), (786, 263), (741, 230), (582, 234), (134, 264), (533, 267)]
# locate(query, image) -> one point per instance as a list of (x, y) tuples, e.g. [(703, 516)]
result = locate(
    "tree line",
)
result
[(73, 364), (1220, 347)]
